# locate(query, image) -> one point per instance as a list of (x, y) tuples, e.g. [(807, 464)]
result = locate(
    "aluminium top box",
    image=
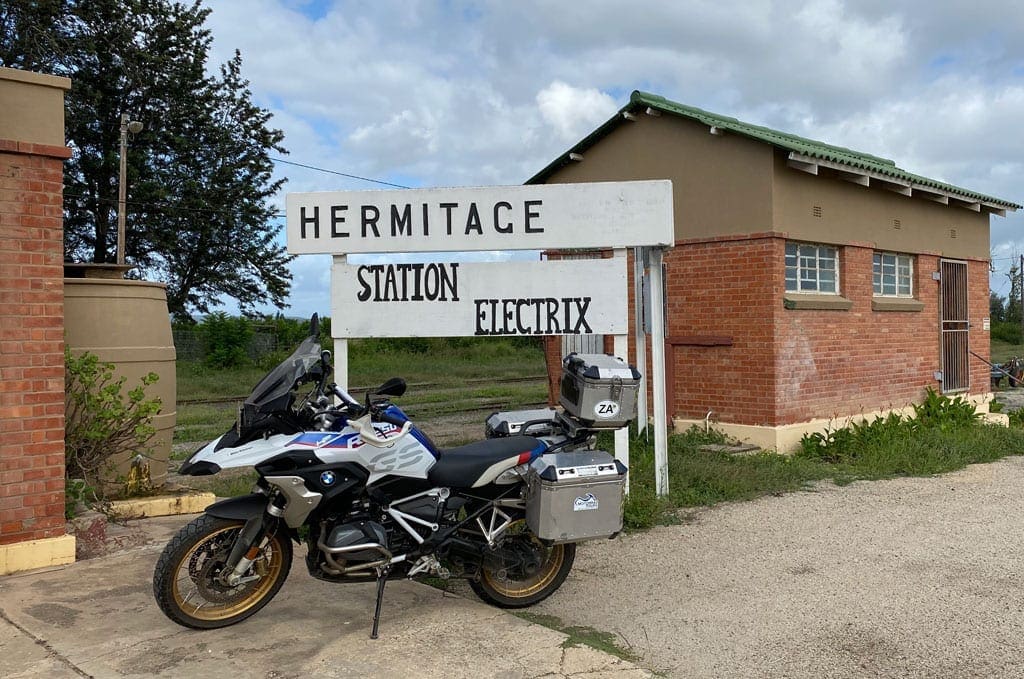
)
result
[(599, 390)]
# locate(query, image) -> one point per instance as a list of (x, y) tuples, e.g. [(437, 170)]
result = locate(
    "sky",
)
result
[(464, 93)]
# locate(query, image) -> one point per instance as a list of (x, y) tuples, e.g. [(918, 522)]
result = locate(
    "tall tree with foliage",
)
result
[(996, 307), (1013, 311), (199, 174)]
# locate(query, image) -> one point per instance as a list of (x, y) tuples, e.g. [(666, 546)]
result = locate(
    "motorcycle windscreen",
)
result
[(273, 392)]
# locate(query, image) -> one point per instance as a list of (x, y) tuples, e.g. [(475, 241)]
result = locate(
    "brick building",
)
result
[(32, 152), (808, 282)]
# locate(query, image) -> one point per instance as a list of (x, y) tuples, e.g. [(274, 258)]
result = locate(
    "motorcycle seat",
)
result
[(477, 464)]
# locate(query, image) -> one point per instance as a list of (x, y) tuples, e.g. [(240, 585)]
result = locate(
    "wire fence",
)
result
[(189, 345)]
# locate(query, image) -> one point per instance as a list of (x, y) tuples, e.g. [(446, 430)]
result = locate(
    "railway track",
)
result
[(422, 388), (424, 411)]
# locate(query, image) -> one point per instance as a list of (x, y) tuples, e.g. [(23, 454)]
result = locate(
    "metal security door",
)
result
[(953, 321)]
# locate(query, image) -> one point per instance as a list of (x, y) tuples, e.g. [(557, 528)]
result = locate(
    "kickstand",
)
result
[(382, 577)]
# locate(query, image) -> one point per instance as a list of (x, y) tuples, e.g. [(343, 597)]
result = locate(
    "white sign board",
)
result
[(545, 216), (459, 299)]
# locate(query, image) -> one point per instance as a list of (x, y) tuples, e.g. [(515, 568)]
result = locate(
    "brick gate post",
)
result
[(32, 153)]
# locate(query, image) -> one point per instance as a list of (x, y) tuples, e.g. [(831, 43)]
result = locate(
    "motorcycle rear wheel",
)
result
[(185, 585), (515, 587)]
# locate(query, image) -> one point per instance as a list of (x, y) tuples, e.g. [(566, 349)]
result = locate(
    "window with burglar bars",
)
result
[(893, 275), (812, 268)]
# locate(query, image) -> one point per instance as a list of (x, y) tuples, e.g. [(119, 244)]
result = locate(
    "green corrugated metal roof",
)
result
[(807, 147)]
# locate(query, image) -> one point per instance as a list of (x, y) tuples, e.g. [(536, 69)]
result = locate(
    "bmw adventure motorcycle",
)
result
[(373, 498)]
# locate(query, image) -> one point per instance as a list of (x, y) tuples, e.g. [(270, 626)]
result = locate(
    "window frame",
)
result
[(817, 269), (878, 285)]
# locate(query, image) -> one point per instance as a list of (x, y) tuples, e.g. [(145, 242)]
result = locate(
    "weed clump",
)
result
[(944, 434)]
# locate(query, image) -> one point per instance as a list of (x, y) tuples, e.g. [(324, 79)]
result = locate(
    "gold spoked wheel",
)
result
[(528, 572), (186, 581)]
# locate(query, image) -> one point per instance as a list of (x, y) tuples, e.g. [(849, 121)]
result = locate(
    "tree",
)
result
[(29, 32), (199, 174), (996, 307), (1012, 313)]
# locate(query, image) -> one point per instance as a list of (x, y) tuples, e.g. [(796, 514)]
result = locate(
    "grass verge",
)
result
[(1003, 351), (446, 364), (580, 635), (700, 478)]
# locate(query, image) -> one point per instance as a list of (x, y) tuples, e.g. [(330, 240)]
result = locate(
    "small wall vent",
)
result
[(816, 211), (897, 224), (952, 233)]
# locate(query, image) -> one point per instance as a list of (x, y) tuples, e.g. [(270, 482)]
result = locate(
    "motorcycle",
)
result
[(373, 499)]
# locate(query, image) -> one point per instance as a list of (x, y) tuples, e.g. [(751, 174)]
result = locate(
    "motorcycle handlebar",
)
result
[(391, 419), (345, 397)]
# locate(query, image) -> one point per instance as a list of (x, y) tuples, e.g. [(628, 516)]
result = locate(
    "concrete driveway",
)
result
[(97, 618)]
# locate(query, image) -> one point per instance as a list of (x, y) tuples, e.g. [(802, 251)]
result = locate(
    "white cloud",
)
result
[(474, 92), (574, 112)]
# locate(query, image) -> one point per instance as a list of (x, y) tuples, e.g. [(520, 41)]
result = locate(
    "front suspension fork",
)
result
[(250, 541)]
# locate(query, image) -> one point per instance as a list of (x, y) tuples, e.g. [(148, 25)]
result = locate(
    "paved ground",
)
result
[(900, 578), (97, 618)]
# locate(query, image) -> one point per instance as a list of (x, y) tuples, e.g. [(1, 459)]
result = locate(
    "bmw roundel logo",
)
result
[(327, 478)]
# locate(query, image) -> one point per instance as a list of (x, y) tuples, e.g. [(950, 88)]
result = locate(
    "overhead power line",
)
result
[(341, 174), (164, 206), (180, 208)]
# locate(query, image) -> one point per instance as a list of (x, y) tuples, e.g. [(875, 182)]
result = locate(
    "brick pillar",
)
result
[(32, 152)]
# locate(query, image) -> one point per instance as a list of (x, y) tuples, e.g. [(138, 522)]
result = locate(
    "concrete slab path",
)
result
[(97, 618)]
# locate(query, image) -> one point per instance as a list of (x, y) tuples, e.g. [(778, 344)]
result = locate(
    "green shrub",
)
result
[(289, 332), (848, 443), (892, 444), (1006, 332), (225, 339), (1016, 418), (102, 423), (272, 359), (944, 412)]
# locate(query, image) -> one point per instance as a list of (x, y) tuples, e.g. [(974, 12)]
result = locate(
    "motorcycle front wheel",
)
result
[(185, 580), (533, 573)]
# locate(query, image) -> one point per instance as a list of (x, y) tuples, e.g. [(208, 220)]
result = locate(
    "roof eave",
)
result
[(906, 184), (622, 116), (928, 190)]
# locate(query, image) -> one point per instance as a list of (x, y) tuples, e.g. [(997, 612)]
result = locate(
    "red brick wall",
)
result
[(721, 289), (736, 350), (31, 342), (846, 362), (553, 358)]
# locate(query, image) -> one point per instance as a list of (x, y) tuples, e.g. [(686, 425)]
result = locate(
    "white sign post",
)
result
[(658, 368), (640, 337), (449, 299)]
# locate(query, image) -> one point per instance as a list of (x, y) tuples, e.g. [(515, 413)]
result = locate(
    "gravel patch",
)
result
[(901, 578), (1012, 399)]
